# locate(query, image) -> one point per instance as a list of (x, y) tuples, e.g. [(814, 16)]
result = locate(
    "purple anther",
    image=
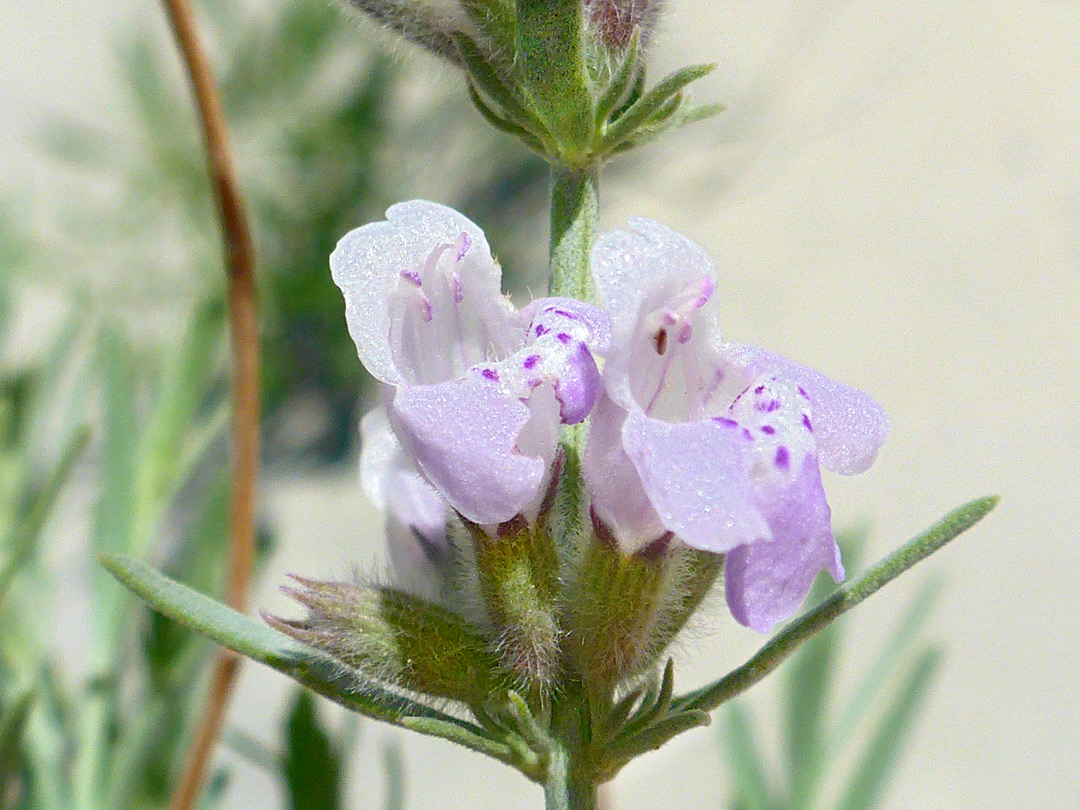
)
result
[(464, 242)]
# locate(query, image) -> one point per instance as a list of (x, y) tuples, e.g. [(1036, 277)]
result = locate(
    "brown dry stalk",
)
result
[(240, 270)]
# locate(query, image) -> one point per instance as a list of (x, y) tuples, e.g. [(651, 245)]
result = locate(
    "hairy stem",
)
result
[(802, 629), (240, 270), (575, 206), (567, 786), (570, 782)]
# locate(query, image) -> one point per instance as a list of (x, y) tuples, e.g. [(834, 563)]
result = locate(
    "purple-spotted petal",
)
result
[(694, 475), (849, 426), (422, 294), (584, 322), (463, 435), (618, 498), (768, 580)]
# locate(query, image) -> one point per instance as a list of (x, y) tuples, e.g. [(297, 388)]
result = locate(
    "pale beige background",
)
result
[(893, 197)]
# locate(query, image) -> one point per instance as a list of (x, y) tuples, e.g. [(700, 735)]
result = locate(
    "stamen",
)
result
[(455, 286), (464, 242)]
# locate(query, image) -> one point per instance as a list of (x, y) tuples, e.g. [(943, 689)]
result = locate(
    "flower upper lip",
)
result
[(477, 389)]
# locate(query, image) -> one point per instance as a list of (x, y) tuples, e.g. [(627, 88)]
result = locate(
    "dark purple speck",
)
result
[(768, 430), (803, 392), (806, 422), (564, 313), (531, 361), (541, 330), (782, 458), (760, 389), (747, 434), (725, 421), (490, 374), (564, 338)]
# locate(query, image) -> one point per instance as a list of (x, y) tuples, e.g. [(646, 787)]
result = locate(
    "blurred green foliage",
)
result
[(321, 150), (108, 729), (325, 140), (879, 712)]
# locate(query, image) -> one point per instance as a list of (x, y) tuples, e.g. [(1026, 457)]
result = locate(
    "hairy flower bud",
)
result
[(614, 21), (430, 24), (396, 638)]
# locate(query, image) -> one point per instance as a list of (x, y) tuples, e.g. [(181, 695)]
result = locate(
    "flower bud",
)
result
[(613, 22), (430, 24), (396, 638)]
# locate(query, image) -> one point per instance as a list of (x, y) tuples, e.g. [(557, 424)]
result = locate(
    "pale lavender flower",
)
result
[(715, 442), (416, 515), (476, 389)]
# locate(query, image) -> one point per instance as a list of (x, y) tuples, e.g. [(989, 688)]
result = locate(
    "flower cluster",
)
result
[(690, 440)]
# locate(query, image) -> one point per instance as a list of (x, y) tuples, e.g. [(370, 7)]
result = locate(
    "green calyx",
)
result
[(625, 609), (395, 638), (535, 70), (613, 611), (517, 569)]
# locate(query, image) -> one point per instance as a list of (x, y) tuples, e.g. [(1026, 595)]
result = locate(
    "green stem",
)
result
[(575, 205), (568, 786), (802, 629), (570, 783)]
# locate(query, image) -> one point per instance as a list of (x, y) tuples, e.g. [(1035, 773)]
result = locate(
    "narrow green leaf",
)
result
[(700, 113), (486, 78), (655, 705), (132, 764), (168, 429), (12, 724), (892, 653), (745, 763), (846, 597), (681, 117), (622, 81), (394, 768), (262, 643), (646, 107), (864, 791), (615, 720), (808, 676), (114, 513), (28, 534), (52, 380), (312, 768), (254, 751), (654, 736), (456, 733), (504, 124), (46, 739), (495, 18)]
